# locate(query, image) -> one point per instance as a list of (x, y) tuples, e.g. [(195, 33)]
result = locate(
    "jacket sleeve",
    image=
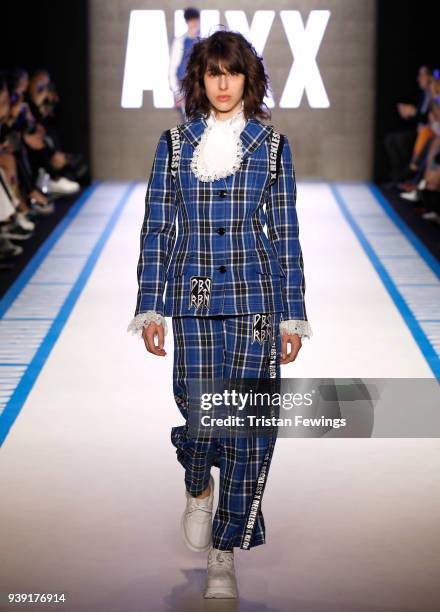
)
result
[(283, 233), (157, 233)]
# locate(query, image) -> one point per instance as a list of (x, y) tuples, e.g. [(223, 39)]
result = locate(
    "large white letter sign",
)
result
[(146, 60), (256, 34), (147, 55), (304, 73)]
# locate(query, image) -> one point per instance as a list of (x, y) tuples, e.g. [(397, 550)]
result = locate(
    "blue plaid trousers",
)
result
[(213, 347)]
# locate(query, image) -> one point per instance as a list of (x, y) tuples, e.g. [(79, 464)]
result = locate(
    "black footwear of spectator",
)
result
[(9, 249), (42, 209), (14, 231), (431, 216)]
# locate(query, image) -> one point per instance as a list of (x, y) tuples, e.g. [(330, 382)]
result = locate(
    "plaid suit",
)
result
[(222, 274)]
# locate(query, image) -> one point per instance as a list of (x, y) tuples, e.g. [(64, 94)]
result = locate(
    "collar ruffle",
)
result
[(219, 152)]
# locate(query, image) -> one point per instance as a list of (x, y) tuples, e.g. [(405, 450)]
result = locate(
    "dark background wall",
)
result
[(53, 34), (407, 37), (331, 143)]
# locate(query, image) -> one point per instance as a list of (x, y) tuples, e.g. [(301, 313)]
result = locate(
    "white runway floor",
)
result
[(91, 492)]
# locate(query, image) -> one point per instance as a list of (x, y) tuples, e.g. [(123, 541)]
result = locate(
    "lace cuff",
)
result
[(294, 326), (143, 319)]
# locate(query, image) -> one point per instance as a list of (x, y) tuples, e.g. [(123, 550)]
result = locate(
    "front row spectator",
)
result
[(424, 184), (431, 193), (34, 168), (399, 145)]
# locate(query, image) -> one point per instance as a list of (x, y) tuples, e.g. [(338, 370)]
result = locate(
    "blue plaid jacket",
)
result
[(219, 260)]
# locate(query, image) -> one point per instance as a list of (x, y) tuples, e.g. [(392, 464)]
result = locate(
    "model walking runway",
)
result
[(81, 441)]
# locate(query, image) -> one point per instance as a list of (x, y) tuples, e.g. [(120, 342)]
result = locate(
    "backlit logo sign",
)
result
[(147, 54)]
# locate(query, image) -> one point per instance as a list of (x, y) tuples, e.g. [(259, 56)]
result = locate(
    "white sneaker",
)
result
[(412, 196), (24, 222), (196, 523), (431, 216), (221, 582), (63, 185)]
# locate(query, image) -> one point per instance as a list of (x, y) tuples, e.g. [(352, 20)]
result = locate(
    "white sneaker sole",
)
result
[(216, 594), (182, 529), (62, 192)]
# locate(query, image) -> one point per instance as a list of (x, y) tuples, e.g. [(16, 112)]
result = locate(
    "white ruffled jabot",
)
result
[(219, 152)]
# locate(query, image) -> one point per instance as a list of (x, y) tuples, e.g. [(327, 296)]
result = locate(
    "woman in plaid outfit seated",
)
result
[(235, 294)]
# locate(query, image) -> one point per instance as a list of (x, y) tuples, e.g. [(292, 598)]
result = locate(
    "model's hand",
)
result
[(295, 345), (149, 333)]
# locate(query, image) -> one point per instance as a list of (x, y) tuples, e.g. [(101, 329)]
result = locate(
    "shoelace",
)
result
[(195, 506), (221, 556)]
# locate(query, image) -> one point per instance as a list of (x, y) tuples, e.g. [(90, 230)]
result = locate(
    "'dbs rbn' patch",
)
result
[(262, 328), (200, 291)]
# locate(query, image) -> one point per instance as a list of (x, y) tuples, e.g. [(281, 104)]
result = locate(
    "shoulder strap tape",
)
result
[(276, 149), (173, 140)]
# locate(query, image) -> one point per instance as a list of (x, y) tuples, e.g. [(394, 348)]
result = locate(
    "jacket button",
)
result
[(222, 193), (222, 269), (220, 230)]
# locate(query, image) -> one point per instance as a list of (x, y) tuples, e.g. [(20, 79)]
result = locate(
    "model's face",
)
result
[(225, 92)]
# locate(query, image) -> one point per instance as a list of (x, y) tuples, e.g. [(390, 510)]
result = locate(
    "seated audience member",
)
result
[(43, 145), (399, 144), (15, 122), (425, 135), (431, 194), (426, 162), (34, 168)]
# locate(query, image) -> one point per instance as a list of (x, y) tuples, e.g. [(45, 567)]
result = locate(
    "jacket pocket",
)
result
[(270, 267), (190, 267)]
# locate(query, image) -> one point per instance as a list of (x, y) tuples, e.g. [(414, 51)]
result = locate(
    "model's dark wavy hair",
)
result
[(236, 54)]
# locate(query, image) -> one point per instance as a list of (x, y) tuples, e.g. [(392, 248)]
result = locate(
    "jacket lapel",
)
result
[(252, 136)]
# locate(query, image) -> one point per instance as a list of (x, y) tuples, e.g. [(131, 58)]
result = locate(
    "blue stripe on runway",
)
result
[(416, 326), (406, 231), (24, 386), (44, 249)]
